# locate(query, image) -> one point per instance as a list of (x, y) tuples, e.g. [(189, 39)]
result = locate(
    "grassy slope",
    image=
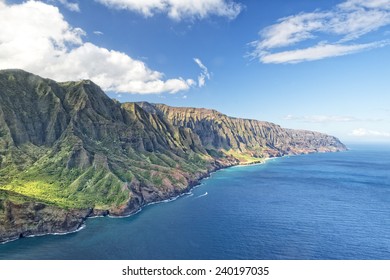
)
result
[(96, 187)]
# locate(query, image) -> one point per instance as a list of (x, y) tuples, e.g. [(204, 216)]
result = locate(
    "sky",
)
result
[(320, 65)]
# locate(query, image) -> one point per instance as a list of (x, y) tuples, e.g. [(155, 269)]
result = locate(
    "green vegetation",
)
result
[(244, 158), (71, 146), (92, 188)]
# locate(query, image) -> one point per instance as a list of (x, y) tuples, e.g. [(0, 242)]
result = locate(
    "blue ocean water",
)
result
[(317, 206)]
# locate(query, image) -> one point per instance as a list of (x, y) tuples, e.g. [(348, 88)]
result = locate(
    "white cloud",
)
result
[(178, 9), (328, 119), (353, 4), (35, 37), (74, 7), (346, 22), (362, 132), (320, 118), (291, 30), (96, 32), (114, 71), (205, 73), (317, 52)]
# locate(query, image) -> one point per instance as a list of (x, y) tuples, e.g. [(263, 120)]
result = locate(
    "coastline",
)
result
[(98, 213), (128, 212), (61, 222)]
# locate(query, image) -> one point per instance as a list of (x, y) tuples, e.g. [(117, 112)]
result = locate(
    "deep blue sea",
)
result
[(317, 206)]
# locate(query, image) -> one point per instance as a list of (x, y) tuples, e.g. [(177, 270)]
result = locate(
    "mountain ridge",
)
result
[(69, 148)]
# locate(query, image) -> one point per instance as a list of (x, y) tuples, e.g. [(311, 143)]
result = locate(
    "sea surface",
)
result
[(317, 206)]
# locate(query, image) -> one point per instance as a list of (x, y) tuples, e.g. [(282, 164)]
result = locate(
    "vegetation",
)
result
[(69, 145)]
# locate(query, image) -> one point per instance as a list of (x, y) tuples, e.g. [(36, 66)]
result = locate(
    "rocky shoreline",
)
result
[(36, 219), (31, 219), (42, 219)]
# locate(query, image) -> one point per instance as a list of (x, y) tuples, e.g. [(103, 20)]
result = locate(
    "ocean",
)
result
[(317, 206)]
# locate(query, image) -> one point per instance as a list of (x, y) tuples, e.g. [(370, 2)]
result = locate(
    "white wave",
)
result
[(123, 216), (202, 195), (51, 233), (189, 194), (83, 226), (149, 204), (10, 240)]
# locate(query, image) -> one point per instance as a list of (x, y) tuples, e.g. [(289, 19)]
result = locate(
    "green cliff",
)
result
[(68, 151)]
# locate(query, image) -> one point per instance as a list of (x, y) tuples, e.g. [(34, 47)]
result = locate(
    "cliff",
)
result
[(256, 139), (68, 151)]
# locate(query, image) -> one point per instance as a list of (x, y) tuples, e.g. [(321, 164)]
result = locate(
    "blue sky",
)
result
[(319, 65)]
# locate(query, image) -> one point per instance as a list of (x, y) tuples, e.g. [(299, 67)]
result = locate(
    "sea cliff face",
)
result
[(68, 151), (255, 138), (30, 218)]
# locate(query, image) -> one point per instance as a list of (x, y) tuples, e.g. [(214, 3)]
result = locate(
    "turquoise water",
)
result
[(318, 206)]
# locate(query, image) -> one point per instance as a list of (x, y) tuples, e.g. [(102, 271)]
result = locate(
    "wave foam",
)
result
[(202, 195)]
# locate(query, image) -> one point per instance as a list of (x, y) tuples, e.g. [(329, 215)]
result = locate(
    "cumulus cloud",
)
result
[(178, 10), (362, 132), (342, 26), (204, 74), (35, 37)]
